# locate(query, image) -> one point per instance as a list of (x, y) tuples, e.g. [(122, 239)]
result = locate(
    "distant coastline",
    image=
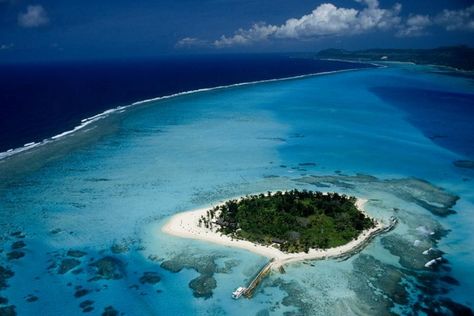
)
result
[(457, 58), (186, 225)]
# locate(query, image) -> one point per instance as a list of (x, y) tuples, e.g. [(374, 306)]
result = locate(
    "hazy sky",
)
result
[(72, 29)]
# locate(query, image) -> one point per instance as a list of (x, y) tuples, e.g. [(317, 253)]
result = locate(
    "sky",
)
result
[(73, 29)]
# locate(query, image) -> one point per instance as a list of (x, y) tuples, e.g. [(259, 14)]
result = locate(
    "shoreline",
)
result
[(185, 225), (384, 63), (6, 154)]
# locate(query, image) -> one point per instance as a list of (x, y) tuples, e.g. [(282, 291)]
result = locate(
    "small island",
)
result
[(285, 226), (292, 221)]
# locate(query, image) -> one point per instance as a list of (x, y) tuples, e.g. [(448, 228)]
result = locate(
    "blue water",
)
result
[(38, 101), (441, 115), (118, 182)]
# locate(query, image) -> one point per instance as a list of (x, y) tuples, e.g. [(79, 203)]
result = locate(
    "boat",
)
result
[(238, 293), (434, 261)]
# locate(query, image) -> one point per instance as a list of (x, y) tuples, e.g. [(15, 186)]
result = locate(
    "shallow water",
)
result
[(117, 183)]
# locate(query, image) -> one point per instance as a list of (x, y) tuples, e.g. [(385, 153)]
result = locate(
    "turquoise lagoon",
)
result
[(108, 189)]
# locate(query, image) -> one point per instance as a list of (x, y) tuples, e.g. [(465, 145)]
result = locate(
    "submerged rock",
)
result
[(202, 264), (150, 278), (31, 298), (86, 303), (5, 274), (172, 266), (8, 311), (3, 300), (14, 255), (76, 253), (203, 285), (18, 234), (86, 306), (67, 265), (81, 293), (469, 164), (18, 244), (87, 309), (119, 248), (295, 296), (228, 266), (110, 311), (109, 268), (55, 231)]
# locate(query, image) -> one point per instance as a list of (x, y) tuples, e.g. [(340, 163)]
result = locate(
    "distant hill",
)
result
[(461, 57)]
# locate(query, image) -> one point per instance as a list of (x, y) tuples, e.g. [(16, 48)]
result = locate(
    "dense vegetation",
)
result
[(295, 220), (461, 57)]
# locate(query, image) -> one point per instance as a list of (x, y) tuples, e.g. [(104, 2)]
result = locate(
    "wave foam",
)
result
[(120, 109)]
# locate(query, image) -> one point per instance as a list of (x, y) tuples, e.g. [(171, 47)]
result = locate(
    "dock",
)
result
[(249, 290)]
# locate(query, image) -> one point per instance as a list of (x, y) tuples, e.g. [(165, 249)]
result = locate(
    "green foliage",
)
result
[(296, 220), (461, 57)]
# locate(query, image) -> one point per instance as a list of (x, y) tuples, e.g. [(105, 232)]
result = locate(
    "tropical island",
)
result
[(293, 221), (286, 226)]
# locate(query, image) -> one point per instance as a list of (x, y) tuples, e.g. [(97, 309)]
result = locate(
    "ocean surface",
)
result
[(41, 100), (80, 216)]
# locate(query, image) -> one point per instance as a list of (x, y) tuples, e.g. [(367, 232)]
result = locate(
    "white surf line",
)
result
[(120, 109)]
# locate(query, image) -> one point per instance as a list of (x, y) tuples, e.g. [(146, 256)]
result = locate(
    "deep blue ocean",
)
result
[(38, 101), (441, 115)]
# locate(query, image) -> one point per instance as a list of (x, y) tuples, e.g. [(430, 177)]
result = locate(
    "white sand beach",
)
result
[(185, 225)]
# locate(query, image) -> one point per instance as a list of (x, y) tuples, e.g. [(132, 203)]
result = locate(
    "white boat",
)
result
[(432, 262), (238, 293)]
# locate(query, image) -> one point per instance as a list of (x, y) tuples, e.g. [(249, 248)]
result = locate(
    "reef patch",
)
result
[(430, 197)]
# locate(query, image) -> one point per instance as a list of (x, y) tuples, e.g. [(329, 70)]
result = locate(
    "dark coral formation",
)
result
[(434, 199), (228, 266), (469, 164), (81, 292), (31, 298), (18, 234), (411, 256), (76, 253), (150, 278), (382, 286), (5, 274), (379, 285), (110, 311), (18, 244), (67, 265), (119, 248), (8, 310), (204, 284), (295, 296), (15, 254), (109, 268), (87, 306)]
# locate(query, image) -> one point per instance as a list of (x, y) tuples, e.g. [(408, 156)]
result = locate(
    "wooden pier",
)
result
[(249, 290)]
